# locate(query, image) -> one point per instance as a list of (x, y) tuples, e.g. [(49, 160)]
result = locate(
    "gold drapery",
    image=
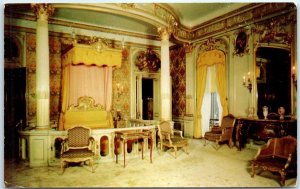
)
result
[(206, 59), (87, 55)]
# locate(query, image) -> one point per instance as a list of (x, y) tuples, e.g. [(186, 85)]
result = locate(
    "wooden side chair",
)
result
[(276, 156), (79, 146), (171, 138), (221, 133)]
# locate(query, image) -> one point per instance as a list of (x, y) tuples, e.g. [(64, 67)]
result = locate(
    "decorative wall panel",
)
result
[(55, 76), (121, 87), (178, 74), (31, 68)]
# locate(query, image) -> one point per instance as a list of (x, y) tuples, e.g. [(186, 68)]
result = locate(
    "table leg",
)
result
[(151, 143), (124, 150), (143, 148), (115, 150)]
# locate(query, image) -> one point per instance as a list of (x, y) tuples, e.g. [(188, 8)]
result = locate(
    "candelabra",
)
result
[(247, 83)]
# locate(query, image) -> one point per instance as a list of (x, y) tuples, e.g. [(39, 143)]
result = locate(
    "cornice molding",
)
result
[(161, 16)]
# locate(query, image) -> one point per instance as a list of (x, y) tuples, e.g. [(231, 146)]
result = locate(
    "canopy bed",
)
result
[(86, 101), (87, 85)]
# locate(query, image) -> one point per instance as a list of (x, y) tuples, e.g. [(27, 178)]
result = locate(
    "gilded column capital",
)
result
[(42, 10), (164, 33)]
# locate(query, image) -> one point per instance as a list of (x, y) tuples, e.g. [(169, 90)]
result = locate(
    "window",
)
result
[(214, 111)]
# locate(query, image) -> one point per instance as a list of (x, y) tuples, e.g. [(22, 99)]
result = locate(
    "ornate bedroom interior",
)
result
[(121, 69)]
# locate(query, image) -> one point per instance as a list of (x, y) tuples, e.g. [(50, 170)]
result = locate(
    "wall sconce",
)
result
[(294, 76), (120, 89), (247, 83)]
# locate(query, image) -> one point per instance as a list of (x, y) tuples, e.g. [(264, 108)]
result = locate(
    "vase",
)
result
[(281, 112), (265, 112)]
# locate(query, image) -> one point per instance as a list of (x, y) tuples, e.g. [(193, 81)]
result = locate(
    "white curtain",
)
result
[(210, 87)]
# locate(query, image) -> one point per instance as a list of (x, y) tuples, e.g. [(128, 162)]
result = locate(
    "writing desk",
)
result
[(133, 135)]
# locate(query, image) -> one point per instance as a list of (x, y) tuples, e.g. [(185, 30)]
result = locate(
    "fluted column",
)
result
[(165, 78), (42, 11)]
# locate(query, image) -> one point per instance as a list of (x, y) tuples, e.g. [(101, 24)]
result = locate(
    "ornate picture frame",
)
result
[(241, 43)]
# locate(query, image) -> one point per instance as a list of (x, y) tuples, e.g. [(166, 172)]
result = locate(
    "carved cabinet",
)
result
[(261, 130)]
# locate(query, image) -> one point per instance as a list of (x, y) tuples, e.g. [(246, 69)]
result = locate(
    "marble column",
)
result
[(42, 12), (165, 78)]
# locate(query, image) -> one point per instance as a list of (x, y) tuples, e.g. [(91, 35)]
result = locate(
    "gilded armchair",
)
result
[(171, 138), (79, 146)]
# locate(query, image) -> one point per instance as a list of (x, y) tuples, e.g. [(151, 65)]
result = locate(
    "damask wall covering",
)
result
[(55, 76), (178, 74), (121, 78)]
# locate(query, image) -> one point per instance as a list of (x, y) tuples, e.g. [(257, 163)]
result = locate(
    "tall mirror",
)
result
[(273, 74)]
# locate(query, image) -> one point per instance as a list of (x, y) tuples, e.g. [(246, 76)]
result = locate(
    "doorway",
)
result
[(147, 97), (14, 109)]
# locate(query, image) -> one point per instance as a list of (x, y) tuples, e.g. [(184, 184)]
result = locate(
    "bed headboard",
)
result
[(88, 114), (85, 103)]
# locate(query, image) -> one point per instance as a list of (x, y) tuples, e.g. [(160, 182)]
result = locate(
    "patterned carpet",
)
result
[(203, 167)]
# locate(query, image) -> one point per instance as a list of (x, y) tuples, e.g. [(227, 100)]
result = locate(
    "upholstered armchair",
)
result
[(221, 133), (171, 138), (277, 156), (79, 146)]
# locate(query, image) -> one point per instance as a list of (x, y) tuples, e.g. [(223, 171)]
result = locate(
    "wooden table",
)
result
[(133, 135)]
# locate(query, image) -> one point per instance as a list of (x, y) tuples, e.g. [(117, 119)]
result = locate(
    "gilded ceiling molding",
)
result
[(42, 9), (160, 16), (126, 5), (188, 47), (236, 19), (210, 44), (240, 19), (270, 8), (165, 15), (275, 30)]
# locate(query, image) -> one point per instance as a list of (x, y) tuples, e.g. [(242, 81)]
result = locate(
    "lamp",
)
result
[(247, 83), (294, 76)]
